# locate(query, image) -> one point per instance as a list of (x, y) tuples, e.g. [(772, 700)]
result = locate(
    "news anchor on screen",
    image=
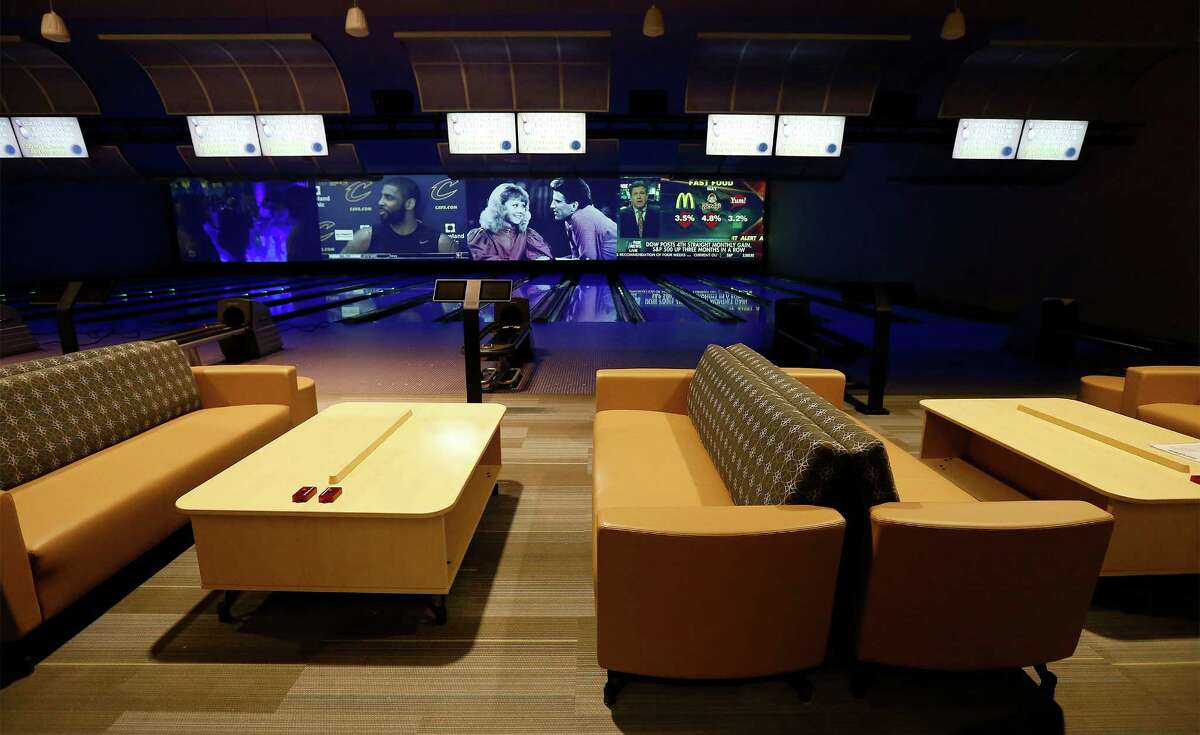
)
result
[(399, 230), (504, 232), (639, 219), (591, 234)]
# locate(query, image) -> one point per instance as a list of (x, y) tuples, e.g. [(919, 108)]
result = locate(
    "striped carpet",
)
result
[(518, 653)]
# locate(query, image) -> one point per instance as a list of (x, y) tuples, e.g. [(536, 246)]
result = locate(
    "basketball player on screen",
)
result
[(399, 231)]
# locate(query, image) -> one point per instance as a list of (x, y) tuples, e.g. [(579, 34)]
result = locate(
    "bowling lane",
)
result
[(656, 304), (591, 301), (731, 302)]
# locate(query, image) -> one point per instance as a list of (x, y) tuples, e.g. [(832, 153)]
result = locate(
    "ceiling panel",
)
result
[(833, 74), (195, 74), (1074, 80), (525, 70), (36, 81)]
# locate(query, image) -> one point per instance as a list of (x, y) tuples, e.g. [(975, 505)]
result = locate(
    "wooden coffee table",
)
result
[(1059, 449), (415, 477)]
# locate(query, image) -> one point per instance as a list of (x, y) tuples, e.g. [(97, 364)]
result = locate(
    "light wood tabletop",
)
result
[(1105, 451), (391, 459)]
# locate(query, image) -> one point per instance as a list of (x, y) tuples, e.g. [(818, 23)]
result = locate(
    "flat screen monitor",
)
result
[(482, 133), (740, 135), (495, 290), (49, 137), (224, 136), (987, 138), (245, 221), (552, 132), (450, 289), (9, 147), (810, 135), (1052, 140), (292, 135), (434, 217)]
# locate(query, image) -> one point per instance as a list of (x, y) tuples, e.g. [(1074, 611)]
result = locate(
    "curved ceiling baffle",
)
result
[(36, 81), (787, 73), (531, 71), (784, 73), (1074, 80), (246, 74)]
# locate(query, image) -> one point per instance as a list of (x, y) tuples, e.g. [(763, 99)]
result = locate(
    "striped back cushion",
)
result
[(868, 473), (766, 451), (70, 408)]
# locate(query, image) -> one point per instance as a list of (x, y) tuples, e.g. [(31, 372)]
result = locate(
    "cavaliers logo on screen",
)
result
[(326, 227), (443, 189), (358, 191)]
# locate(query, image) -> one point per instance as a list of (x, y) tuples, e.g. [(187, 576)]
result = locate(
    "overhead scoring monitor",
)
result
[(474, 133), (9, 147), (810, 135), (292, 135), (552, 132), (740, 135), (49, 137), (1052, 140), (232, 136), (987, 138)]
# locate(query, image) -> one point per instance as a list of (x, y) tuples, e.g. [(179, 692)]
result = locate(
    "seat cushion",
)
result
[(1181, 417), (85, 521), (1102, 390), (767, 451), (652, 459)]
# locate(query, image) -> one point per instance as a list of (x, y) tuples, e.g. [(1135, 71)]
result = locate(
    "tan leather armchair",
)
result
[(1164, 395), (979, 585)]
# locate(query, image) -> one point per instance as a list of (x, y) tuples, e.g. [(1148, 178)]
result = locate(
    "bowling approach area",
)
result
[(509, 637), (641, 368)]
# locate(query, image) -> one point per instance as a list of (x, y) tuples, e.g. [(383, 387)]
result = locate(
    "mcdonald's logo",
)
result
[(685, 200)]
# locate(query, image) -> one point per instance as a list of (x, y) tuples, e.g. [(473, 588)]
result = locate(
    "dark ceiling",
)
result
[(868, 59)]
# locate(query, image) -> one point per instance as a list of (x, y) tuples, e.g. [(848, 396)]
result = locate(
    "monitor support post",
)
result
[(65, 314), (471, 342)]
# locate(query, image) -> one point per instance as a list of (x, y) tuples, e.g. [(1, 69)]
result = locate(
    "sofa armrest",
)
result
[(1160, 384), (21, 612), (978, 585), (829, 384), (241, 385), (644, 389), (715, 592)]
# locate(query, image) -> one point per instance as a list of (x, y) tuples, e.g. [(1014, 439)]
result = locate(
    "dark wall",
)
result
[(79, 229), (1121, 232)]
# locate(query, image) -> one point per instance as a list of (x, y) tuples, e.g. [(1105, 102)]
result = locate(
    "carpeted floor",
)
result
[(147, 654)]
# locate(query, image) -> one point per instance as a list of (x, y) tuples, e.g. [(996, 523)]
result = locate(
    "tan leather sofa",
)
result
[(133, 429), (956, 573), (689, 585), (1164, 395)]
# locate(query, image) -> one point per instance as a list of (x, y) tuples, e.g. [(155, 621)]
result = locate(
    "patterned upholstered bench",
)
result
[(721, 498), (96, 446)]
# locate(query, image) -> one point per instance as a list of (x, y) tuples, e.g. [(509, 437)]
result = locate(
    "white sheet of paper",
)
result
[(1190, 450)]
